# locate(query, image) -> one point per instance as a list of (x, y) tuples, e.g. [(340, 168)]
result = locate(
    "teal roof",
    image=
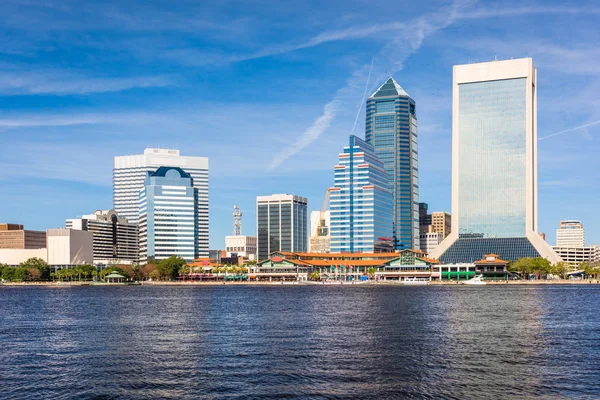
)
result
[(114, 275), (390, 88)]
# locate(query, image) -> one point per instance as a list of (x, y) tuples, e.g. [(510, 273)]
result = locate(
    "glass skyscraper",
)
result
[(494, 164), (391, 128), (282, 223), (360, 201), (168, 204)]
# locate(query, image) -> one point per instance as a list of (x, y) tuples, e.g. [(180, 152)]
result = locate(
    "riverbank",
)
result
[(293, 283)]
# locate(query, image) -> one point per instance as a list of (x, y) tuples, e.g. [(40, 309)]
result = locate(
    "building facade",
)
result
[(429, 241), (570, 234), (281, 223), (574, 256), (441, 222), (494, 164), (69, 247), (115, 239), (320, 242), (167, 220), (241, 246), (361, 203), (391, 128), (129, 175), (13, 236)]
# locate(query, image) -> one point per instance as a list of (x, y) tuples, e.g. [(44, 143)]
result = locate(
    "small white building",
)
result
[(69, 247), (243, 246), (14, 257), (430, 240)]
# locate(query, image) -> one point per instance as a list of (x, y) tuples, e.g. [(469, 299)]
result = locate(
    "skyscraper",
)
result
[(570, 234), (167, 221), (129, 174), (281, 222), (360, 201), (494, 164), (391, 128)]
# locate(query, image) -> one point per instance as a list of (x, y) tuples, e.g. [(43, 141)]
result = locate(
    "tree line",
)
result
[(541, 267)]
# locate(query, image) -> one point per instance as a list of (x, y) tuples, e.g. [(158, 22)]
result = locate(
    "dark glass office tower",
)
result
[(391, 128)]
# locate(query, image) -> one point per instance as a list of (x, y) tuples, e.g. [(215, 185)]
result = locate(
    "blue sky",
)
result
[(269, 91)]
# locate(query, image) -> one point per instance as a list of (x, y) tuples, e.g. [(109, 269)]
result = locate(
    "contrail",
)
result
[(364, 95), (570, 130)]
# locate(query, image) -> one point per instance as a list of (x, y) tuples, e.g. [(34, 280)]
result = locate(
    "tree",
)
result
[(314, 276), (169, 267), (38, 264), (561, 269), (21, 274), (371, 271)]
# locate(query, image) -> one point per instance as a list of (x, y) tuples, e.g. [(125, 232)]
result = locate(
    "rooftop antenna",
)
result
[(364, 95), (237, 221)]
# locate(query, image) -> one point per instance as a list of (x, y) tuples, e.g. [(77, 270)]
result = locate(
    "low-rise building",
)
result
[(14, 257), (69, 247), (430, 240), (573, 256), (241, 246), (13, 236)]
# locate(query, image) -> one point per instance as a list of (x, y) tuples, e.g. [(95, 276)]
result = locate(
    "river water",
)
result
[(304, 342)]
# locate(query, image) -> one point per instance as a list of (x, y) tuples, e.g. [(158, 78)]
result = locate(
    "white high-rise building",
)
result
[(570, 234), (129, 174), (494, 164)]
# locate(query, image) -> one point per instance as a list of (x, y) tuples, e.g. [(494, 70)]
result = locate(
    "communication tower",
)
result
[(237, 221)]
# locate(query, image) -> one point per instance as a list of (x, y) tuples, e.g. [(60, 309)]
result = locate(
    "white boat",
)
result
[(416, 281), (477, 280)]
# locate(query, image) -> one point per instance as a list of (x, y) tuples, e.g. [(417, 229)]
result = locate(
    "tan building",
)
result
[(441, 222), (13, 236)]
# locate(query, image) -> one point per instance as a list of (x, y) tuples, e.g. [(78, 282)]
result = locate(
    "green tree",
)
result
[(7, 272), (169, 267), (21, 274), (371, 272), (38, 264), (561, 269), (314, 276)]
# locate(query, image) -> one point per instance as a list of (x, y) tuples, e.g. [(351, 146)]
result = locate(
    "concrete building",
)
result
[(573, 256), (391, 128), (14, 257), (167, 223), (13, 236), (281, 223), (494, 164), (570, 234), (430, 240), (241, 246), (69, 247), (129, 174), (115, 239), (441, 222), (361, 202), (320, 242)]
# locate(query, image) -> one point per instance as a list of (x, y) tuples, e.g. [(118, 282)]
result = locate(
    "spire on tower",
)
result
[(237, 221)]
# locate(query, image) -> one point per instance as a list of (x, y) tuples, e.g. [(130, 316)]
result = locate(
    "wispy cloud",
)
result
[(59, 83), (570, 130), (388, 61)]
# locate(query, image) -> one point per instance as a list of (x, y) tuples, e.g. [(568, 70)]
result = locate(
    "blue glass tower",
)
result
[(167, 215), (391, 128), (361, 203)]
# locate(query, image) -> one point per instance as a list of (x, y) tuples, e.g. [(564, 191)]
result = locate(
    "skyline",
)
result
[(110, 82)]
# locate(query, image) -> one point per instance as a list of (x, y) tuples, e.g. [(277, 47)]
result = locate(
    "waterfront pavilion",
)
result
[(114, 277)]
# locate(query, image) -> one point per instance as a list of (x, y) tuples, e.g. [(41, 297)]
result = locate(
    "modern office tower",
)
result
[(320, 242), (13, 236), (361, 203), (167, 221), (424, 217), (570, 234), (281, 222), (129, 174), (391, 128), (494, 164), (115, 239), (237, 244)]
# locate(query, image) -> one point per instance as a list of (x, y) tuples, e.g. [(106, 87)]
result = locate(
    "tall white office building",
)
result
[(494, 164), (570, 234), (129, 174)]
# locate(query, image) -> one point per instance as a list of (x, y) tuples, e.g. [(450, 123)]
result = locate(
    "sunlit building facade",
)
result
[(494, 164), (391, 128), (360, 202)]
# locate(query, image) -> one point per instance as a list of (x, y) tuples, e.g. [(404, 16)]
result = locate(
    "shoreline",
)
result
[(292, 283)]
